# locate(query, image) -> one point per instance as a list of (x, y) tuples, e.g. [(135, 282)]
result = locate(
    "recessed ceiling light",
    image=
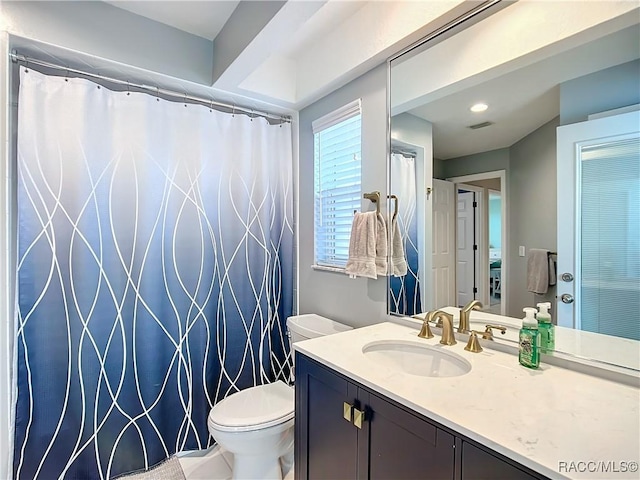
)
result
[(479, 107)]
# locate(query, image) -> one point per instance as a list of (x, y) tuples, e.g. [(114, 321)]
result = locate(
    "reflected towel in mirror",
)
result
[(540, 270), (398, 267)]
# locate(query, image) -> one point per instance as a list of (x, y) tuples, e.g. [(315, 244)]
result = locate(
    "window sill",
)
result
[(325, 268)]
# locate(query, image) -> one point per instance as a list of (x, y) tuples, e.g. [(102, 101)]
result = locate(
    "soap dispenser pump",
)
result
[(546, 328), (529, 340)]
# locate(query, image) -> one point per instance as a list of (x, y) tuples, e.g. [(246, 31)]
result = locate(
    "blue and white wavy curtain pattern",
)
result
[(405, 291), (154, 273)]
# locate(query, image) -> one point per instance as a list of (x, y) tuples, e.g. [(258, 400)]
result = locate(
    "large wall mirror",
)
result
[(516, 135)]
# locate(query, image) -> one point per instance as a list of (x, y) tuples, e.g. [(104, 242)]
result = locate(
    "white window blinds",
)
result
[(337, 182), (610, 236)]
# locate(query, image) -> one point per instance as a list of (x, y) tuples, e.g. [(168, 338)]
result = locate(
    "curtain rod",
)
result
[(403, 152), (207, 102)]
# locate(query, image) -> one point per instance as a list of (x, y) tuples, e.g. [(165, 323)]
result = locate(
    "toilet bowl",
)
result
[(256, 424)]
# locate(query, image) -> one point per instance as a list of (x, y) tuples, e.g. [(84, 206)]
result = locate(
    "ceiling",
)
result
[(519, 80), (521, 101), (289, 54), (201, 18), (281, 56)]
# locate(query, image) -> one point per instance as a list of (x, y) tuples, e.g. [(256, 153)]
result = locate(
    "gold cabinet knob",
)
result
[(346, 411), (358, 417)]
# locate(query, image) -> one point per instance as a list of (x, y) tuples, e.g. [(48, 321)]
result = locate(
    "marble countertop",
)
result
[(539, 418)]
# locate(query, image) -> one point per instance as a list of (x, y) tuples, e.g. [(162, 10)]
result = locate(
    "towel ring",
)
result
[(395, 208), (375, 198)]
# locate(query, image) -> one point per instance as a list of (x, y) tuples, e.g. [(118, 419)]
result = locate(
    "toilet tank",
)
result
[(303, 327)]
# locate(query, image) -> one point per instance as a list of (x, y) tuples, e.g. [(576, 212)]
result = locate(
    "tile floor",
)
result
[(495, 308), (214, 464)]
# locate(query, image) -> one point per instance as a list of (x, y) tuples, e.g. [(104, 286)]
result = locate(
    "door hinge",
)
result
[(475, 248), (475, 289), (475, 204)]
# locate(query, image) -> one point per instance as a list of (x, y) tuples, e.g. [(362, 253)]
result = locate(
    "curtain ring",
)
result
[(251, 115), (26, 67), (157, 94), (66, 79), (211, 106), (185, 99), (128, 89), (233, 110)]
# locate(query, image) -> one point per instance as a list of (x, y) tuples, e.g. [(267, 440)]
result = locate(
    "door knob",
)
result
[(566, 298), (566, 277)]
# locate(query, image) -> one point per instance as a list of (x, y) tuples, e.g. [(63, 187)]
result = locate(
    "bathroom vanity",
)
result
[(346, 430), (358, 416)]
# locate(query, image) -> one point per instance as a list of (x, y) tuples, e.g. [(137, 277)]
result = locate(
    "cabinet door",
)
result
[(326, 443), (404, 446), (480, 465)]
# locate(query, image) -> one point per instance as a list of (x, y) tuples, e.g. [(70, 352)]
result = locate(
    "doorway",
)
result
[(468, 243), (481, 231)]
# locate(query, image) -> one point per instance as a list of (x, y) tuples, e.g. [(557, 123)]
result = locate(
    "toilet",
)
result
[(256, 424)]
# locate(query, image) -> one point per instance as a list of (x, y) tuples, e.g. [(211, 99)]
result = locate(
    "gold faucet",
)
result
[(448, 337), (465, 313)]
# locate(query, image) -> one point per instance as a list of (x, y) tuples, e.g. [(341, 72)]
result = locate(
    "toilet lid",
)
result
[(256, 407)]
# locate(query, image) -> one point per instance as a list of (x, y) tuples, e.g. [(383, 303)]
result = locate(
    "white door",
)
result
[(466, 253), (443, 244), (599, 225)]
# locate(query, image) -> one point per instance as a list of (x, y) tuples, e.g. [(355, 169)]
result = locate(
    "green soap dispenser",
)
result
[(529, 340), (546, 328)]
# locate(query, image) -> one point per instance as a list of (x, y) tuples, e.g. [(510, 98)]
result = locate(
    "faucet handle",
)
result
[(473, 345), (425, 331), (488, 332)]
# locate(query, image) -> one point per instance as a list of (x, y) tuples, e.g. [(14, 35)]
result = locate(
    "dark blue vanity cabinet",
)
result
[(344, 430)]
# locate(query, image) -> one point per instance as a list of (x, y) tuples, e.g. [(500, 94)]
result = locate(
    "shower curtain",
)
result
[(154, 273), (405, 291)]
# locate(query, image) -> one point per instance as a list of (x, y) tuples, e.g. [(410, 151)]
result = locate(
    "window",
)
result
[(337, 183)]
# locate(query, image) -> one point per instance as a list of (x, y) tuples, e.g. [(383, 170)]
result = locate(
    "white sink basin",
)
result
[(415, 359)]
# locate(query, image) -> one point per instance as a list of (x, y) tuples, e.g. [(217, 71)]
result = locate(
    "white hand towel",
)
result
[(538, 270), (398, 260), (362, 246), (381, 245)]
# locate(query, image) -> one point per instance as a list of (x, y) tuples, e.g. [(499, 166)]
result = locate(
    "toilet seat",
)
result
[(254, 408)]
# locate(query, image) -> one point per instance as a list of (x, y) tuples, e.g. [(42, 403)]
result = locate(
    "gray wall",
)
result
[(607, 89), (532, 210), (103, 30), (411, 129), (439, 169), (476, 163), (360, 301), (531, 204)]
